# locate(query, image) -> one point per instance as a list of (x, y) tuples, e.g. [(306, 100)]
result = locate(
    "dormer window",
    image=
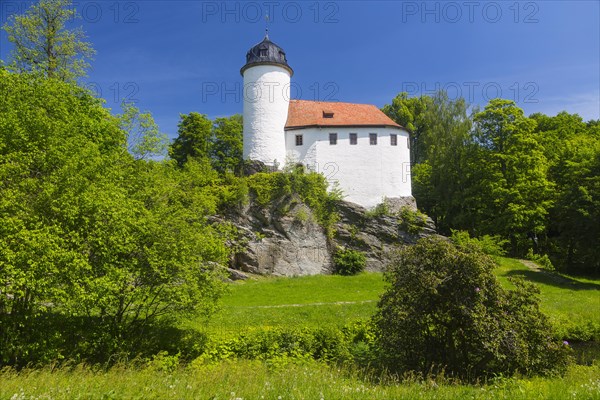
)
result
[(263, 52), (327, 114)]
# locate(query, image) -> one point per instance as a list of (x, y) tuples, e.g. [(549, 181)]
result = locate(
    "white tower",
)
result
[(266, 101)]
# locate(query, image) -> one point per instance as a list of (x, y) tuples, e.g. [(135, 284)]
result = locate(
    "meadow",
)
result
[(316, 302)]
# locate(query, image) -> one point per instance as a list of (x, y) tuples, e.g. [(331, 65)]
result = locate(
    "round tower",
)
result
[(266, 101)]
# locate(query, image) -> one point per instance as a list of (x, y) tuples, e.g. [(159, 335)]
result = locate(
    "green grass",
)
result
[(315, 301), (256, 380), (572, 303), (312, 301)]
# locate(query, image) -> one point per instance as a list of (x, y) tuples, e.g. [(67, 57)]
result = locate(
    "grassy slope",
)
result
[(568, 301), (304, 301), (266, 302), (335, 300)]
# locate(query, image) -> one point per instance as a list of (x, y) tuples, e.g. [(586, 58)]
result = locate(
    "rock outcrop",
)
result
[(285, 238)]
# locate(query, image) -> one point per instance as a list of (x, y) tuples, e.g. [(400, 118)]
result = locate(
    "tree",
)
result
[(193, 140), (410, 113), (444, 312), (573, 150), (440, 130), (144, 139), (515, 194), (103, 245), (227, 144), (44, 44)]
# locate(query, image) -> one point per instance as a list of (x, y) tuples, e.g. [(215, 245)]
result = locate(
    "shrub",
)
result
[(349, 262), (380, 210), (444, 311), (267, 188), (412, 221), (542, 260), (492, 245)]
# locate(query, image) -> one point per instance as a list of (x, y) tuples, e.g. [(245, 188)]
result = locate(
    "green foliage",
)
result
[(193, 140), (44, 45), (515, 191), (144, 140), (492, 245), (268, 188), (380, 210), (444, 311), (227, 144), (542, 260), (411, 221), (412, 113), (349, 262), (573, 148), (332, 344), (88, 235)]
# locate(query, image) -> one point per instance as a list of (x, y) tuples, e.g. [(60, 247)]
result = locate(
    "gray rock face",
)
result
[(286, 240), (375, 235)]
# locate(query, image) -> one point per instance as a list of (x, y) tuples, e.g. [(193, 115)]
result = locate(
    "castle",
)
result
[(356, 146)]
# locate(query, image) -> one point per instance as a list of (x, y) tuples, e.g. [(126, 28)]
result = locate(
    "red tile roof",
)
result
[(303, 114)]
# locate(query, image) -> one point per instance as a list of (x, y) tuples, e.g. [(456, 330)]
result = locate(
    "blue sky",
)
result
[(175, 57)]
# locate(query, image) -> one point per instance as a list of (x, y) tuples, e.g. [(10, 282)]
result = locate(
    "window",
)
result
[(263, 52), (353, 138), (394, 139), (298, 140), (372, 139), (327, 114), (333, 138), (408, 142)]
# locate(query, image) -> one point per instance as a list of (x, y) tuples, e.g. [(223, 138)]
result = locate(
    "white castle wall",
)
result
[(266, 101), (365, 173)]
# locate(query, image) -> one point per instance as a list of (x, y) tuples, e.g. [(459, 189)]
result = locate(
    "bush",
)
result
[(266, 188), (349, 262), (412, 221), (492, 245), (542, 260), (445, 312)]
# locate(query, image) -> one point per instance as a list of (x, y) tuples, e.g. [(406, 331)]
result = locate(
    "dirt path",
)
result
[(531, 265), (312, 304)]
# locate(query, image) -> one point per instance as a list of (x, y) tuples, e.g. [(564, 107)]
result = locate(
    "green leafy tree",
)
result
[(193, 140), (441, 134), (444, 312), (410, 112), (101, 244), (45, 45), (515, 194), (227, 144), (144, 139), (573, 149)]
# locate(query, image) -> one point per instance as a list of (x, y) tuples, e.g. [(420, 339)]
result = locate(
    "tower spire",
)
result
[(267, 26)]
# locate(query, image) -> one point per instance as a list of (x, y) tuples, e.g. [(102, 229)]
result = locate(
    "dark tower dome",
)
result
[(266, 53)]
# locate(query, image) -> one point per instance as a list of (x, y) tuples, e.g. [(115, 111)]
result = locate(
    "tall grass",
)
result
[(256, 380), (318, 301)]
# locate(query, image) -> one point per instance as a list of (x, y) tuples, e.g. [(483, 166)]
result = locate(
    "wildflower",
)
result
[(477, 290), (565, 343)]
